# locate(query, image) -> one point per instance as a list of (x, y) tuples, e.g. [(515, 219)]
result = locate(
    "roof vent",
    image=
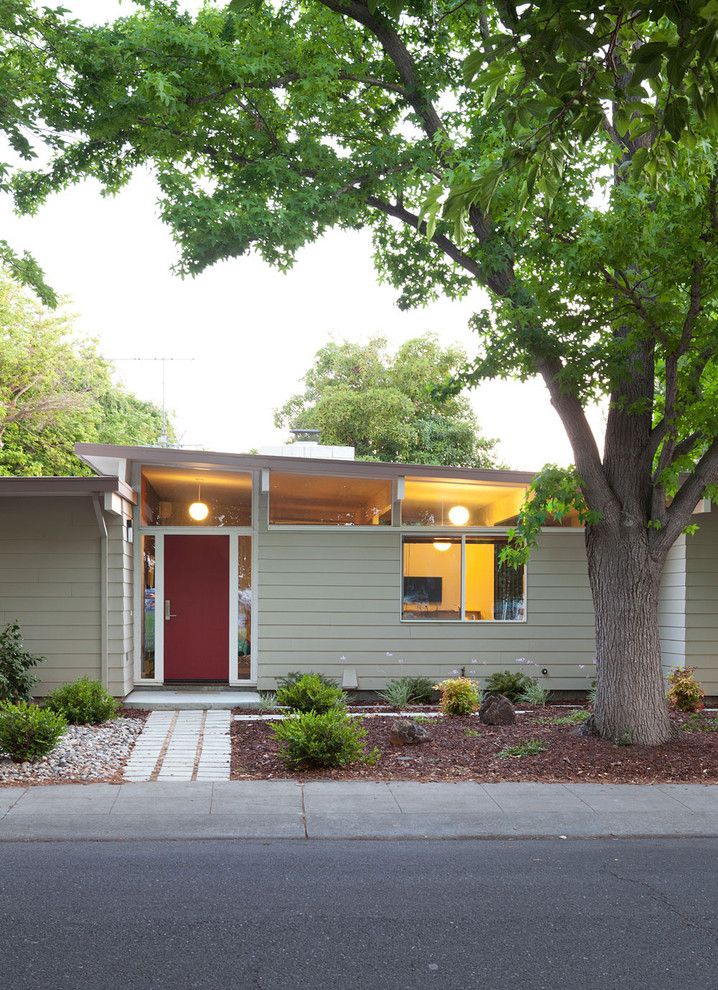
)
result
[(306, 436)]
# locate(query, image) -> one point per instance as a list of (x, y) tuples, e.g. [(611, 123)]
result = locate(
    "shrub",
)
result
[(592, 693), (511, 685), (28, 732), (532, 747), (290, 679), (311, 693), (684, 691), (459, 696), (421, 690), (534, 694), (15, 663), (267, 701), (326, 739), (83, 702)]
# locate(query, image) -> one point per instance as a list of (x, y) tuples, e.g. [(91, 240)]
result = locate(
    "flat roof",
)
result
[(110, 459), (67, 486)]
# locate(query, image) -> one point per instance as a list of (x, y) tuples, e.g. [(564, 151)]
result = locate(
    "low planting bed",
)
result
[(85, 753), (536, 747)]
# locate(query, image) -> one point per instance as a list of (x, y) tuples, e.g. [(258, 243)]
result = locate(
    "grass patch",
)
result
[(575, 718), (697, 724), (472, 733), (421, 719), (532, 747)]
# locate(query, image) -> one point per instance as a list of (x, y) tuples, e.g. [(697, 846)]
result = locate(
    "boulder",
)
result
[(406, 732), (496, 709)]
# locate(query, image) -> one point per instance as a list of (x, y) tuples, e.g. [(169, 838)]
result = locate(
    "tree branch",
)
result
[(280, 82), (679, 512), (444, 243)]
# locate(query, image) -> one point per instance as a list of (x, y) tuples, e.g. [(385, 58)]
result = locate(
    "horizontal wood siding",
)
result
[(329, 601), (672, 608), (50, 583), (702, 601), (120, 604)]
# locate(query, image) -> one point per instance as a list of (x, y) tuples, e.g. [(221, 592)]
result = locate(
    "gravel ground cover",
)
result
[(85, 753), (466, 749)]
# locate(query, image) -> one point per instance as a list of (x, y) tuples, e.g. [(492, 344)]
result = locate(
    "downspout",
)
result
[(104, 619)]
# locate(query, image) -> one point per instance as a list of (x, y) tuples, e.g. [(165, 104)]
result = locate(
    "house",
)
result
[(173, 566)]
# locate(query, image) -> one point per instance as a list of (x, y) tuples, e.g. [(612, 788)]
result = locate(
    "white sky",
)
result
[(251, 331)]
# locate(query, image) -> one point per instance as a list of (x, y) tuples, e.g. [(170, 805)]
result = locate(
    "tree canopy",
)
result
[(56, 390), (388, 406)]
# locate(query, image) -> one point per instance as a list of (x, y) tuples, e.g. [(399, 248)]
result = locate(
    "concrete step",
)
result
[(202, 699)]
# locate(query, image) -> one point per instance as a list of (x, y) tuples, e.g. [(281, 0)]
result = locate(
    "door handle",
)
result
[(169, 614)]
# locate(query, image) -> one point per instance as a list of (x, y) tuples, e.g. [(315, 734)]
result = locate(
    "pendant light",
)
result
[(199, 510)]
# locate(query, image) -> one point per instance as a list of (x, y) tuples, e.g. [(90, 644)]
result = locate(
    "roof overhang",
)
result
[(104, 458), (106, 485)]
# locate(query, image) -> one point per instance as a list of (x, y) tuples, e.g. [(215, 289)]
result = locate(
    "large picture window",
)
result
[(460, 503), (328, 500), (460, 578)]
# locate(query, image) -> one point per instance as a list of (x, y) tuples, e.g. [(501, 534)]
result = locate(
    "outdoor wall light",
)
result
[(459, 515), (198, 510)]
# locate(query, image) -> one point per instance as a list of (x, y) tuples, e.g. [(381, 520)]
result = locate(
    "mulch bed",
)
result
[(466, 749)]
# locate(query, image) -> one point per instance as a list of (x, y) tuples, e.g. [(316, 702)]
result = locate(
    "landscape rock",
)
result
[(496, 709), (406, 732)]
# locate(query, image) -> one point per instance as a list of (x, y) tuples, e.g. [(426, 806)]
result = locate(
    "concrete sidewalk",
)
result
[(337, 809)]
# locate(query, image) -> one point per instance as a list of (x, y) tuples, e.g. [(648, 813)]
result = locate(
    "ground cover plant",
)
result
[(534, 694), (458, 696), (322, 739), (463, 748), (404, 691), (28, 732), (532, 747), (309, 693), (83, 702), (16, 663)]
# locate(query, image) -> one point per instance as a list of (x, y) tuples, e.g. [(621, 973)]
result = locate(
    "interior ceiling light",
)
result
[(198, 510), (442, 545), (459, 515)]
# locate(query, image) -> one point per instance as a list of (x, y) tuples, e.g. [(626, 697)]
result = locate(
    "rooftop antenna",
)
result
[(164, 440)]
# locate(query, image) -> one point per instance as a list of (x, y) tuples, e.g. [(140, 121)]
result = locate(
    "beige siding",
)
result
[(672, 607), (702, 601), (327, 595), (120, 645), (50, 582)]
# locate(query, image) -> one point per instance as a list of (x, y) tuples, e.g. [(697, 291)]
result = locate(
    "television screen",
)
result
[(422, 590)]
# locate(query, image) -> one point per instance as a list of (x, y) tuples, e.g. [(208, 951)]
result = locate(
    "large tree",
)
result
[(56, 390), (389, 406), (562, 155)]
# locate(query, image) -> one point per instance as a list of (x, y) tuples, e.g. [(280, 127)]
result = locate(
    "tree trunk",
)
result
[(625, 581)]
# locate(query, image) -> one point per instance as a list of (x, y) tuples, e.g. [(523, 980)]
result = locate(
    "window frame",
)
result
[(463, 536), (336, 527)]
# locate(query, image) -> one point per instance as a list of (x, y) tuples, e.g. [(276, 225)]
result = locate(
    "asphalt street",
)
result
[(403, 915)]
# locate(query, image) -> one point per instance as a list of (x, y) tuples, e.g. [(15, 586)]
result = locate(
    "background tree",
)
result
[(56, 390), (562, 155), (388, 406)]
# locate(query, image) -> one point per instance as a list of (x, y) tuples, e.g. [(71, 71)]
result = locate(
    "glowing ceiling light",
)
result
[(459, 515), (198, 510), (441, 545)]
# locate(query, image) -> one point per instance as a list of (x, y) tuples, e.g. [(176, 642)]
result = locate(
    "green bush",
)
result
[(397, 693), (15, 663), (290, 679), (511, 685), (421, 690), (83, 702), (459, 696), (327, 739), (28, 732), (310, 693)]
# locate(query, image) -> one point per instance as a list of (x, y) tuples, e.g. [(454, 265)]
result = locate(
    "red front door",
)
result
[(197, 590)]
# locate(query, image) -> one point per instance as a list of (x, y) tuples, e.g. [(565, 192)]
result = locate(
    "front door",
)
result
[(196, 616)]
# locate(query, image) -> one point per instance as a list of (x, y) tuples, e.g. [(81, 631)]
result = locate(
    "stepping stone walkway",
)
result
[(182, 745)]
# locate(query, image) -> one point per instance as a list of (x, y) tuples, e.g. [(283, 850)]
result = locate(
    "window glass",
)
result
[(148, 606), (492, 590), (177, 497), (324, 500), (451, 503), (244, 610), (432, 578)]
